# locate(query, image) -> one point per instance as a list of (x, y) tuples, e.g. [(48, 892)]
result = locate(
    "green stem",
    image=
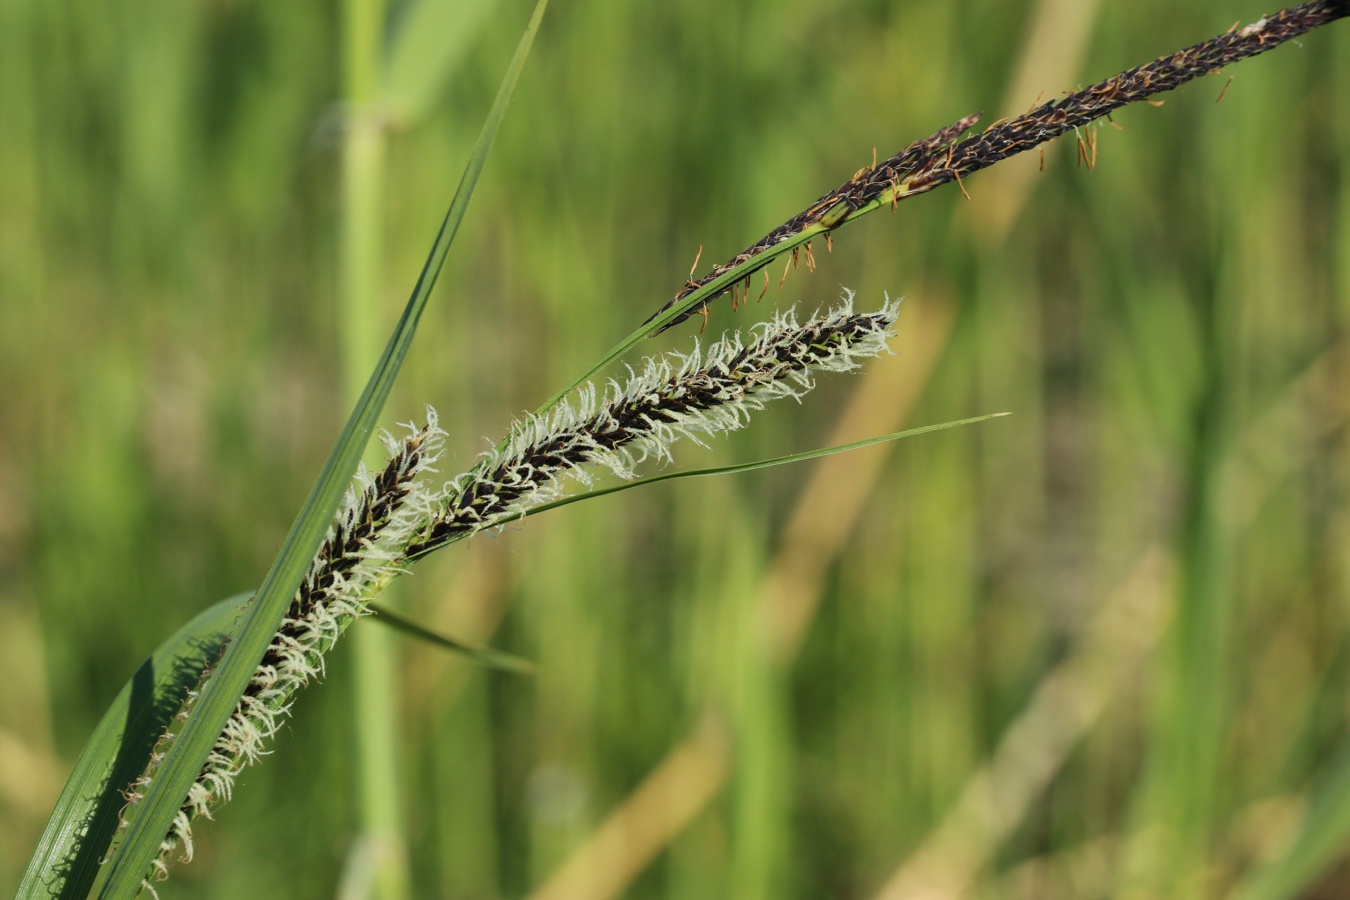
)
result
[(381, 845)]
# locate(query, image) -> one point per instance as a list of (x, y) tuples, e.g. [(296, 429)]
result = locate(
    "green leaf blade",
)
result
[(804, 456), (484, 656)]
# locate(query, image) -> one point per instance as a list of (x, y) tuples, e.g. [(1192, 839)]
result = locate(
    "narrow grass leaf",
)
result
[(484, 656), (719, 470), (763, 463)]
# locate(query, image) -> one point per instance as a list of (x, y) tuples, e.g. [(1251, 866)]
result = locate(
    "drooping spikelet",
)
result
[(362, 551), (672, 397)]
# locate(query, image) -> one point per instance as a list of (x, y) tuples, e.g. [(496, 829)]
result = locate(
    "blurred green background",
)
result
[(1098, 648)]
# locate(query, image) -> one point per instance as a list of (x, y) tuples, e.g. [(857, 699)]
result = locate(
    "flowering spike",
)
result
[(673, 397), (363, 550)]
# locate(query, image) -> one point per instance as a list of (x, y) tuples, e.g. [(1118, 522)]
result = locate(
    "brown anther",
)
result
[(960, 184), (697, 257), (782, 281), (1224, 92)]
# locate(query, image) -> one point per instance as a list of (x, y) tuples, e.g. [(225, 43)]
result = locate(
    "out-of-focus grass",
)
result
[(1169, 330)]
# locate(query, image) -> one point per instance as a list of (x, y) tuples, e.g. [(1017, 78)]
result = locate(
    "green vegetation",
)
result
[(1096, 648)]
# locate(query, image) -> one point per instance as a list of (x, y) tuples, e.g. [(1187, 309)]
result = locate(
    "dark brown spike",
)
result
[(943, 157)]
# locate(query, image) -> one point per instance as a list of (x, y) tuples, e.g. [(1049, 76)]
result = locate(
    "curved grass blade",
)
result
[(131, 861), (722, 470), (84, 821), (484, 656), (762, 463)]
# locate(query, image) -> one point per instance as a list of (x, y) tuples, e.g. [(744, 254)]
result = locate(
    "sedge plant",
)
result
[(171, 747)]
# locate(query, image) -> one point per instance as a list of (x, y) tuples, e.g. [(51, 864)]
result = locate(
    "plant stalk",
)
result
[(378, 867)]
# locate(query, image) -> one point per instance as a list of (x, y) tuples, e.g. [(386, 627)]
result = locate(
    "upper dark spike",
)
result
[(939, 158)]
